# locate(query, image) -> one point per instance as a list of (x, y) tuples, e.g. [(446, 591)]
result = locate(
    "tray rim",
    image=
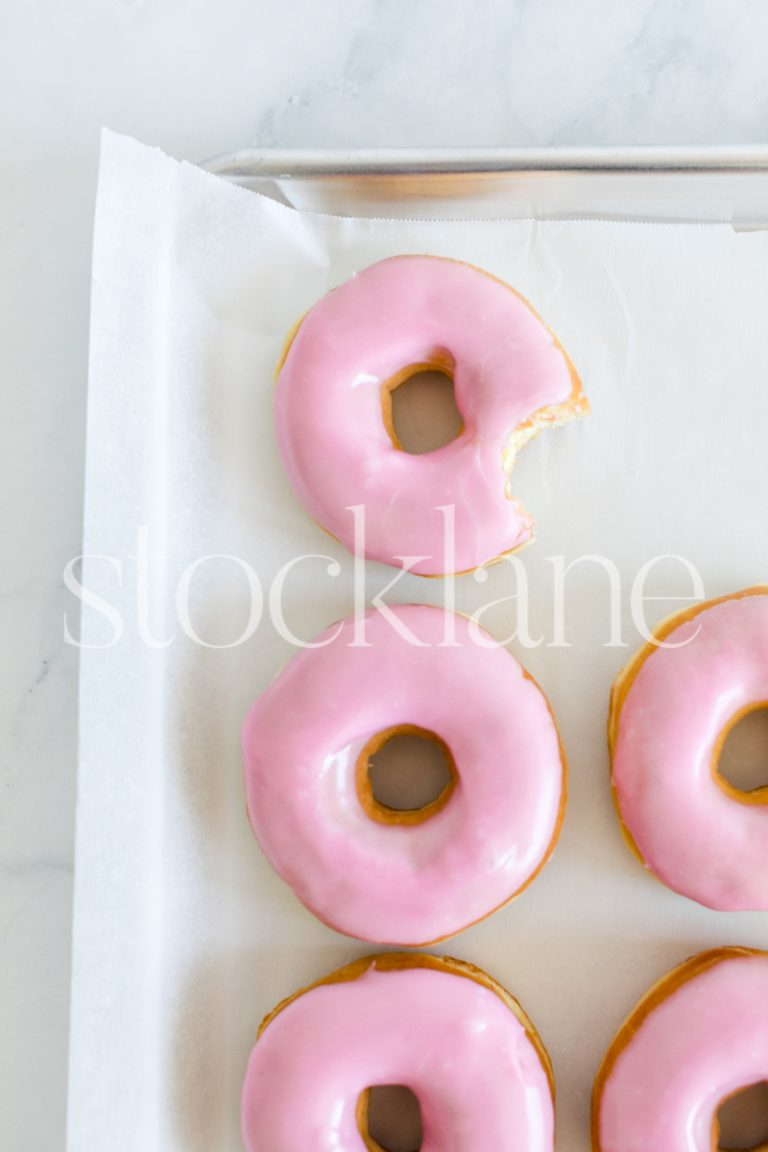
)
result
[(289, 163)]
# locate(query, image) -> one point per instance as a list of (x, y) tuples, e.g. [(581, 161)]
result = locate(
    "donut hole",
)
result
[(389, 1118), (742, 1120), (742, 763), (405, 775), (419, 408)]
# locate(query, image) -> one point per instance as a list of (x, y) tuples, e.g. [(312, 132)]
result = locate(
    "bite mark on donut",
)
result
[(576, 407), (549, 416)]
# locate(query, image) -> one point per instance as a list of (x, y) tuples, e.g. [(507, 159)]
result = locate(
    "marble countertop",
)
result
[(197, 80)]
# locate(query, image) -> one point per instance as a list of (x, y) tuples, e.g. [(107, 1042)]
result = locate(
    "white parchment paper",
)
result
[(183, 936)]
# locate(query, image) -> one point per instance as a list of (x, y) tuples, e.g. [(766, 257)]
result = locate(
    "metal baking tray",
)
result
[(705, 185), (193, 1086)]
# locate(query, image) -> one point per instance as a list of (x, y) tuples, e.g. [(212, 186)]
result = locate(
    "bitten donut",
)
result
[(440, 1027), (671, 709), (372, 871), (699, 1036), (401, 316)]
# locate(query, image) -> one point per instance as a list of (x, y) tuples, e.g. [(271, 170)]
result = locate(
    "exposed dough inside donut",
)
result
[(347, 356)]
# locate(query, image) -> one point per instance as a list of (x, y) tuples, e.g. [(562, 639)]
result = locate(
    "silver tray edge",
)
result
[(296, 162)]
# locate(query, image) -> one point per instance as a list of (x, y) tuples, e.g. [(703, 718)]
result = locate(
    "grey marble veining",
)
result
[(198, 80), (536, 74)]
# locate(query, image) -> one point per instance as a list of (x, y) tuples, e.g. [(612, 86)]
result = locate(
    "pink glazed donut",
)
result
[(440, 1027), (671, 709), (401, 316), (369, 870), (699, 1036)]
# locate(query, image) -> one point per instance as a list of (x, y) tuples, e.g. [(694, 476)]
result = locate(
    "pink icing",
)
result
[(691, 834), (418, 883), (467, 1058), (330, 429), (705, 1041)]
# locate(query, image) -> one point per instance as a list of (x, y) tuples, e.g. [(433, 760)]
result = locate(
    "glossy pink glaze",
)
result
[(403, 884), (691, 834), (704, 1042), (331, 434), (462, 1052)]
